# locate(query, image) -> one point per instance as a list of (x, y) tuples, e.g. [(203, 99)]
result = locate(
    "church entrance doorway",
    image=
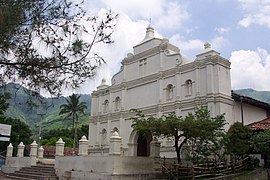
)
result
[(143, 145)]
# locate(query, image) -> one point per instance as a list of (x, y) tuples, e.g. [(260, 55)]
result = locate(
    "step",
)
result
[(37, 172), (34, 172), (32, 176), (17, 177), (42, 167)]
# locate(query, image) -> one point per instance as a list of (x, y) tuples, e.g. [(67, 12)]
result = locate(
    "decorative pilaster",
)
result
[(9, 150), (83, 147), (59, 151), (115, 144), (40, 152), (20, 149), (33, 149)]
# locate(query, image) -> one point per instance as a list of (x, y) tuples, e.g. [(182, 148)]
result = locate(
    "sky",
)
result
[(238, 29)]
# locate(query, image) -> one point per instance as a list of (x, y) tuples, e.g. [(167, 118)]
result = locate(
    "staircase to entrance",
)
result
[(41, 172)]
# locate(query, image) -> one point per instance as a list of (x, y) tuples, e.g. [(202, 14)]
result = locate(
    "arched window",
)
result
[(117, 103), (188, 85), (106, 105), (169, 91), (103, 137)]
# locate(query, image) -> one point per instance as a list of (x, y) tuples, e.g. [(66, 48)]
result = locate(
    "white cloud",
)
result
[(194, 46), (255, 12), (249, 69), (164, 14), (218, 42), (136, 8), (222, 30), (174, 15), (186, 45)]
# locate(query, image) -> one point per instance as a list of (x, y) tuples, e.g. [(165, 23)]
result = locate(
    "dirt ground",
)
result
[(258, 174)]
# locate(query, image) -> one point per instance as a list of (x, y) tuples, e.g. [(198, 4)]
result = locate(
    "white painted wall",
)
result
[(251, 113)]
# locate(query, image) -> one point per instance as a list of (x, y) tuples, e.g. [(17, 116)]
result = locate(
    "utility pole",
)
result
[(40, 126), (242, 114)]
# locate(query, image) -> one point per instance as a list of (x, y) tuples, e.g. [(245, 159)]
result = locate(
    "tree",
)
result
[(20, 131), (52, 141), (261, 143), (238, 137), (50, 137), (3, 102), (72, 108), (48, 43), (197, 126)]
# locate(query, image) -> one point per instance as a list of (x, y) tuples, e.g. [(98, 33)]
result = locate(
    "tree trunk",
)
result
[(76, 131), (74, 138), (177, 150)]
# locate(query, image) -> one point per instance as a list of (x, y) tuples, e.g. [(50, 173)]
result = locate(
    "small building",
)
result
[(158, 79), (251, 112)]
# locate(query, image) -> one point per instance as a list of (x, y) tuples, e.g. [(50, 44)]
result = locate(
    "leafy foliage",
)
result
[(194, 127), (3, 102), (51, 137), (261, 143), (73, 108), (238, 137), (52, 141), (48, 43), (19, 130), (66, 132)]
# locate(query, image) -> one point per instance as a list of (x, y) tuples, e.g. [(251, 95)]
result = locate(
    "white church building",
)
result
[(157, 79)]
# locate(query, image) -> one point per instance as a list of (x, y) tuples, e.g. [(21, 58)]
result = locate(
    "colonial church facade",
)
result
[(157, 79)]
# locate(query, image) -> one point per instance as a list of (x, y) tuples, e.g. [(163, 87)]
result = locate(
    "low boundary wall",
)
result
[(105, 167)]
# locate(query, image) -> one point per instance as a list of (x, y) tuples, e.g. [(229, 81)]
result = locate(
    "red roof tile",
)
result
[(260, 125)]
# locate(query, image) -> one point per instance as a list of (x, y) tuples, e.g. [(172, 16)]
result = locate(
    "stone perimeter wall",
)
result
[(104, 167), (113, 166)]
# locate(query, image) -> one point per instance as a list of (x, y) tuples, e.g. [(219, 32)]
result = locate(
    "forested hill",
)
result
[(30, 110), (259, 95)]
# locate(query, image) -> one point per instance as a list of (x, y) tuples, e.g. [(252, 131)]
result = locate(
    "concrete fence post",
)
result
[(115, 144), (33, 149), (40, 152), (9, 150), (83, 146), (155, 148), (20, 149), (59, 151)]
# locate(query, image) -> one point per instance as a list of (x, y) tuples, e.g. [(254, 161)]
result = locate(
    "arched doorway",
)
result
[(143, 145)]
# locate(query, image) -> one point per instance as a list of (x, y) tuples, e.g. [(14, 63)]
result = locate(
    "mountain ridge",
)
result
[(44, 112), (263, 96)]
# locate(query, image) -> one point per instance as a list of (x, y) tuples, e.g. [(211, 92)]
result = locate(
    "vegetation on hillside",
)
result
[(51, 119), (20, 131), (259, 95)]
